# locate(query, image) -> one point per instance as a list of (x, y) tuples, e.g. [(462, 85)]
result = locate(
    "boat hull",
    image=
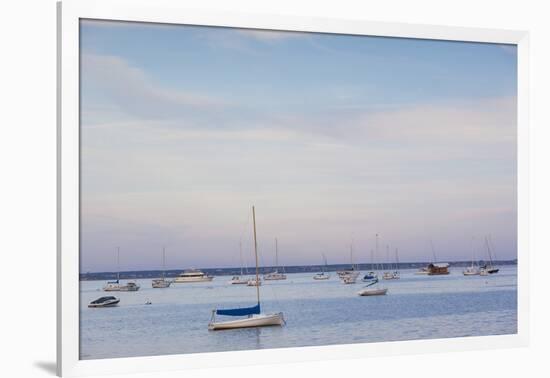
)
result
[(112, 303), (274, 277), (262, 320), (111, 288), (372, 292), (129, 288), (321, 277), (193, 279), (160, 284)]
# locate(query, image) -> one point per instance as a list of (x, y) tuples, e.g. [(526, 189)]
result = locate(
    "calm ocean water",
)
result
[(317, 313)]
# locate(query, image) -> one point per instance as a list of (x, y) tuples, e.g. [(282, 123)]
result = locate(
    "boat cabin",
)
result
[(438, 268)]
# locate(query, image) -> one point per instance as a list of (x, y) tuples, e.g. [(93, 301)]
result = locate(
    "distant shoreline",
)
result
[(144, 274)]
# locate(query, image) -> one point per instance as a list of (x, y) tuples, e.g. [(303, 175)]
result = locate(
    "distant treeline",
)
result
[(288, 269)]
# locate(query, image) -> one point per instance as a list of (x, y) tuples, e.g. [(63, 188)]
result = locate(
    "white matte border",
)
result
[(170, 11)]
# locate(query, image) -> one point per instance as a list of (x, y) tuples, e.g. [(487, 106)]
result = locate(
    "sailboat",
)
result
[(323, 275), (368, 290), (239, 280), (253, 315), (115, 285), (349, 276), (388, 274), (472, 270), (396, 271), (489, 268), (162, 282), (275, 275), (372, 275)]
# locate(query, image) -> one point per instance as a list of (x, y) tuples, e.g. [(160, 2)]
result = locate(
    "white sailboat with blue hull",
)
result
[(250, 316)]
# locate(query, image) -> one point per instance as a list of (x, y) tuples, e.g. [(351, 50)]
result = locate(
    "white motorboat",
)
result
[(108, 301), (112, 286), (162, 282), (130, 286), (275, 275), (253, 315), (193, 275)]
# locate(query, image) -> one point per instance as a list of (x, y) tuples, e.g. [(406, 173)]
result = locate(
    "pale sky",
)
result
[(334, 139)]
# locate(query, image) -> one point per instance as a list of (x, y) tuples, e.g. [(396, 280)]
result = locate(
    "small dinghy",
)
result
[(109, 301), (254, 317)]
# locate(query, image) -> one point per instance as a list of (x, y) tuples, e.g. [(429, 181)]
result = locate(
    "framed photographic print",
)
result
[(253, 184)]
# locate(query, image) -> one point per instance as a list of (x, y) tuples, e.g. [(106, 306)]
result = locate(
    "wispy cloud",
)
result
[(121, 84)]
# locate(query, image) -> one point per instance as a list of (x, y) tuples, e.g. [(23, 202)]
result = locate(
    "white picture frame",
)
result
[(171, 11)]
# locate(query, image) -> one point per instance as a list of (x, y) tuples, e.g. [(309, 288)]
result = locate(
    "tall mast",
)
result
[(371, 260), (163, 261), (256, 254), (396, 259), (351, 255), (276, 256), (489, 250), (117, 264), (388, 256), (241, 254), (377, 251), (433, 251)]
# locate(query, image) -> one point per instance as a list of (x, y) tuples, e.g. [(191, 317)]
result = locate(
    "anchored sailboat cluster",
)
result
[(252, 316), (481, 270)]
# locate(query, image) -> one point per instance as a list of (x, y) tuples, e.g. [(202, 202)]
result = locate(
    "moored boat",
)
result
[(369, 290), (275, 275), (130, 286), (162, 282), (254, 316), (254, 282), (323, 275), (108, 301), (372, 292), (490, 268), (193, 275), (240, 280), (114, 285)]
